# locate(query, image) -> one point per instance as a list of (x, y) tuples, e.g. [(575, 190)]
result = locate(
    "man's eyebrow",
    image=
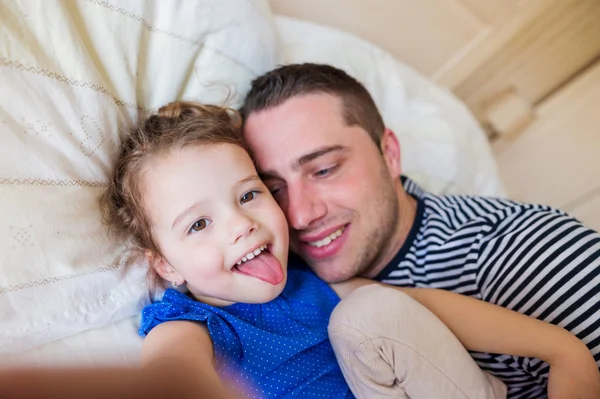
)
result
[(304, 159)]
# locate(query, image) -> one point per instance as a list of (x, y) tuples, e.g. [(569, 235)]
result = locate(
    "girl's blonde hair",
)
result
[(175, 126)]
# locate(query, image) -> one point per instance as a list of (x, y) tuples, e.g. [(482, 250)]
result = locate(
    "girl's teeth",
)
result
[(253, 254)]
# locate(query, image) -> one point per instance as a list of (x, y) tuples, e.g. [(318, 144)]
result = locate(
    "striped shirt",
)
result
[(529, 258)]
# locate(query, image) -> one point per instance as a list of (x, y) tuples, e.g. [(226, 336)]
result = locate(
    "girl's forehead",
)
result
[(206, 167), (196, 179), (209, 156)]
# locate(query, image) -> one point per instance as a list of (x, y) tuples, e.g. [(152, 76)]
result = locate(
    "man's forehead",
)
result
[(286, 135), (305, 107)]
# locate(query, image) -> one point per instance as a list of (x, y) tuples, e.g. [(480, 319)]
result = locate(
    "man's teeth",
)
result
[(253, 254), (327, 240)]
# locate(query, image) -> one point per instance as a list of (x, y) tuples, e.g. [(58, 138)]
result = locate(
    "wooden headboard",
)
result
[(489, 52), (528, 69)]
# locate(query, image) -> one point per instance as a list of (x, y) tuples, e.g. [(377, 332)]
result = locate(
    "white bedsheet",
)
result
[(74, 75), (115, 343), (444, 150)]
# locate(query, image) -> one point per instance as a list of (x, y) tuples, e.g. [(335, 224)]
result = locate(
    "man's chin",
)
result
[(324, 268), (332, 272)]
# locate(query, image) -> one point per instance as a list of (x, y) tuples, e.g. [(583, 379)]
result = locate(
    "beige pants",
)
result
[(390, 346)]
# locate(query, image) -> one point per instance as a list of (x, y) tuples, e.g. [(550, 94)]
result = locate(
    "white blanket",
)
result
[(73, 73)]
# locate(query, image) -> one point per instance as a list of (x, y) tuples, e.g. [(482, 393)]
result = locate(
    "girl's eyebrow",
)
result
[(179, 218), (183, 214), (250, 178)]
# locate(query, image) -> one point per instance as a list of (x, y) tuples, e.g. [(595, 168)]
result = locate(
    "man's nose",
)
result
[(304, 207)]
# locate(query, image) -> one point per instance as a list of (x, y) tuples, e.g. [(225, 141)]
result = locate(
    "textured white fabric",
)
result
[(73, 75), (73, 72), (443, 147), (115, 343)]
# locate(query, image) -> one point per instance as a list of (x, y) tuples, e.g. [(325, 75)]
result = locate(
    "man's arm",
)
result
[(485, 327)]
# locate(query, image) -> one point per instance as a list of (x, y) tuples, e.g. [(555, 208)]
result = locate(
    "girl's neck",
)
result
[(220, 303)]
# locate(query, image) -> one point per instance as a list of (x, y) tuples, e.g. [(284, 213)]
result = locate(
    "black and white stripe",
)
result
[(530, 258)]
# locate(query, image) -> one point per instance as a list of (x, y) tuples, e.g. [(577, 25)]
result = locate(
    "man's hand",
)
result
[(574, 374)]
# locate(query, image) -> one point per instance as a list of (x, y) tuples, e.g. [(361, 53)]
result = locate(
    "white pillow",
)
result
[(443, 147), (74, 75)]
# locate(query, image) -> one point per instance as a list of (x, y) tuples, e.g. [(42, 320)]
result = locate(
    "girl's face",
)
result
[(216, 225)]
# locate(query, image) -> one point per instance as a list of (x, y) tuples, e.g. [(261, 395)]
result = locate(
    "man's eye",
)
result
[(199, 225), (325, 172), (249, 196)]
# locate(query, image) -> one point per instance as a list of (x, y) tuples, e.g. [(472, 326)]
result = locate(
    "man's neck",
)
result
[(407, 212)]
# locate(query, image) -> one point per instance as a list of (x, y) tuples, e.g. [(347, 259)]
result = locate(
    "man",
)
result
[(323, 150)]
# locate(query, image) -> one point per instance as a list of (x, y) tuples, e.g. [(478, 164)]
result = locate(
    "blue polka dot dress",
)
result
[(278, 349)]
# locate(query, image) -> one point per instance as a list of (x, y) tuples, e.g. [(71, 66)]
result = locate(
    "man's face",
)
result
[(337, 190)]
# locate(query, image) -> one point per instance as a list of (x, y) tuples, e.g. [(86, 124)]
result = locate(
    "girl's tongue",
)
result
[(264, 267)]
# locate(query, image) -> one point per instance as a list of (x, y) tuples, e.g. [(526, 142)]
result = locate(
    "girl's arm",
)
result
[(177, 362), (484, 327), (186, 349)]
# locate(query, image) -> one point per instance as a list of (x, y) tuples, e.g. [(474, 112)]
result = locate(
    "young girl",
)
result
[(185, 191)]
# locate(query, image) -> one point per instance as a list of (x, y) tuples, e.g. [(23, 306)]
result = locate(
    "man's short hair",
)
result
[(279, 85)]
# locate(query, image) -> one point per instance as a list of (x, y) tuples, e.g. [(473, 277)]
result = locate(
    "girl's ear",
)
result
[(163, 268)]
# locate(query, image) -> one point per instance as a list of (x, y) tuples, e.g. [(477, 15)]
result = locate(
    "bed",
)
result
[(76, 74)]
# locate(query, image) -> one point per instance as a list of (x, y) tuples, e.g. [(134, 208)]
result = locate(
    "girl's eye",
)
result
[(249, 196), (199, 225)]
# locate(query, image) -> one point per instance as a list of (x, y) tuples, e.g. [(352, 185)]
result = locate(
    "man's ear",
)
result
[(390, 149), (162, 267)]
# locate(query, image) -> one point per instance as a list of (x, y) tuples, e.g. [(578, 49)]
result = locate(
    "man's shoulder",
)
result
[(466, 211), (455, 212), (451, 221)]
